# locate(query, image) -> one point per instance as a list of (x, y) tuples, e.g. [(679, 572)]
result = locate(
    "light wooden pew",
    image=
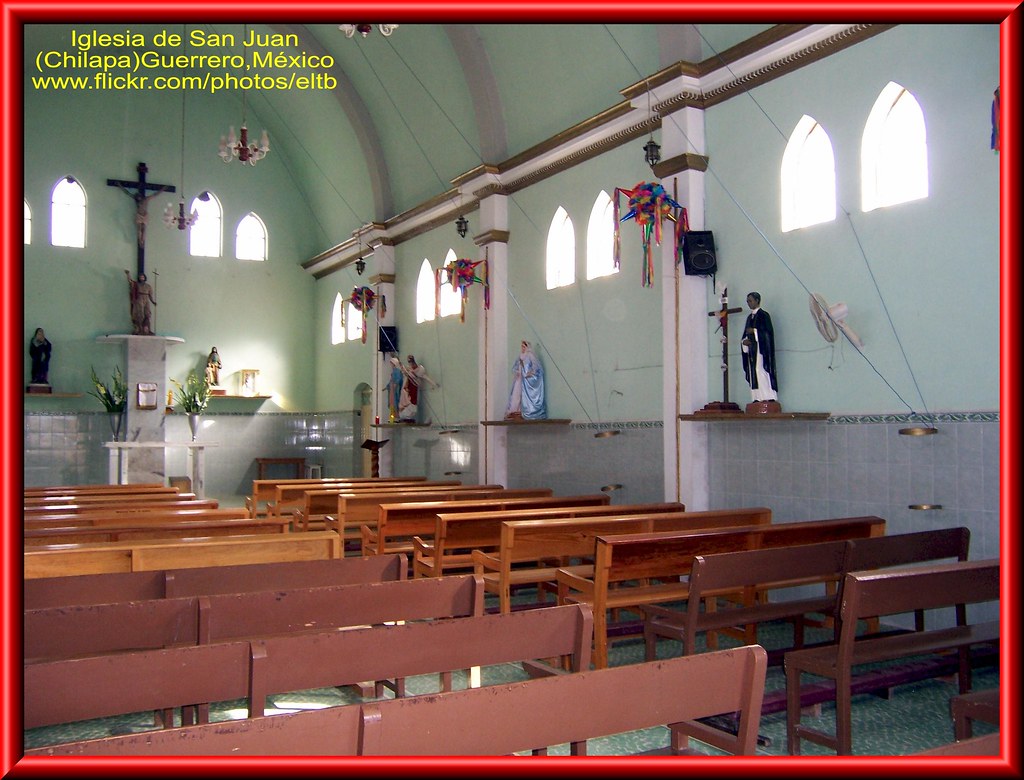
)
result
[(536, 714), (97, 558), (263, 490), (530, 552), (882, 593), (354, 510), (289, 497), (155, 515), (44, 592), (968, 707), (316, 504), (86, 500), (168, 527), (632, 570), (253, 670), (94, 629), (398, 523), (988, 745), (43, 512), (75, 490), (456, 536)]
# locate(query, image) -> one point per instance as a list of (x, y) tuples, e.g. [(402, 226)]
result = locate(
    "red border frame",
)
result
[(15, 13)]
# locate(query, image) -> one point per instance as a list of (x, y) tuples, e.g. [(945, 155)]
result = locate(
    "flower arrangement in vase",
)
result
[(192, 398), (114, 398)]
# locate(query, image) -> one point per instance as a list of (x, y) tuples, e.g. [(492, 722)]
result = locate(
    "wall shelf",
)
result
[(242, 397), (741, 417), (400, 425), (53, 395), (526, 422)]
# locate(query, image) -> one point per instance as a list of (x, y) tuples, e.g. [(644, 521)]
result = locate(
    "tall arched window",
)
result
[(67, 213), (251, 238), (601, 238), (204, 237), (561, 251), (808, 177), (425, 297), (451, 301), (353, 322), (337, 323), (894, 151), (28, 224)]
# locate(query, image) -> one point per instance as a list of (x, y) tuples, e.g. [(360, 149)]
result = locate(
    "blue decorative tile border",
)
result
[(950, 417)]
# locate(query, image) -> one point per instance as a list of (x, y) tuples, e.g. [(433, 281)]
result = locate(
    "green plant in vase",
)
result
[(114, 398), (192, 398)]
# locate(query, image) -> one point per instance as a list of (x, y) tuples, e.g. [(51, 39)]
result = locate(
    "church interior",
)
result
[(725, 265)]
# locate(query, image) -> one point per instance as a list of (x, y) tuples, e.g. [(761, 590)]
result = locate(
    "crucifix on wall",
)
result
[(141, 192), (722, 314)]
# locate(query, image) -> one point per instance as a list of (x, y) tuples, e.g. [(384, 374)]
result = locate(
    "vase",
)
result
[(193, 424), (116, 418)]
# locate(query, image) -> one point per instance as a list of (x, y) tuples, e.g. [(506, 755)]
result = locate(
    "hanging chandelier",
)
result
[(177, 217), (240, 146), (365, 29)]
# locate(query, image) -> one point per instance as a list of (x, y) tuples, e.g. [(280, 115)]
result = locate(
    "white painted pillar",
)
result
[(381, 272)]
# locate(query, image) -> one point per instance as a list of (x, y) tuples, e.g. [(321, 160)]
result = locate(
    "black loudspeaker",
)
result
[(699, 253), (387, 339)]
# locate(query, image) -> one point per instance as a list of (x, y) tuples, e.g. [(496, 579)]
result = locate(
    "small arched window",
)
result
[(251, 238), (808, 177), (204, 237), (561, 251), (28, 224), (337, 322), (601, 238), (894, 151), (353, 322), (451, 300), (425, 293), (67, 213)]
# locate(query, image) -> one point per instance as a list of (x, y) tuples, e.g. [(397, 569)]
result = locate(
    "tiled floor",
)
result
[(914, 718)]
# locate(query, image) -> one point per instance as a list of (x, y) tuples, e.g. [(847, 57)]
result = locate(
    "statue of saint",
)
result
[(140, 293), (39, 348)]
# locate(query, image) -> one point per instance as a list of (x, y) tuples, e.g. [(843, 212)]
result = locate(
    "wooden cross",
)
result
[(723, 324), (141, 205)]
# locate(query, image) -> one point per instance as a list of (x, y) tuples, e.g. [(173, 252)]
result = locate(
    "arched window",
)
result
[(28, 224), (601, 238), (561, 251), (451, 300), (894, 151), (353, 322), (808, 177), (337, 323), (425, 296), (67, 213), (204, 237), (251, 238)]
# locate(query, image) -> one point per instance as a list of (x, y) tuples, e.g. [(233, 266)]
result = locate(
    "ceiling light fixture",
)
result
[(365, 29), (652, 151), (462, 225), (360, 266), (232, 147), (177, 217)]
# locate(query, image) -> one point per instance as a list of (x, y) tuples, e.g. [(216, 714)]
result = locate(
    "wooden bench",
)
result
[(315, 505), (889, 592), (968, 707), (94, 629), (77, 490), (86, 500), (457, 535), (530, 552), (148, 515), (290, 497), (152, 528), (263, 490), (253, 670), (208, 580), (398, 523), (755, 574), (536, 714), (633, 570), (97, 558), (144, 505), (988, 745)]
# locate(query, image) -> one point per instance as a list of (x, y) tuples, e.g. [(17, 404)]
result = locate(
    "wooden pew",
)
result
[(968, 707), (253, 670), (94, 629), (530, 552), (756, 573), (289, 497), (988, 745), (632, 570), (354, 510), (890, 592), (263, 490), (87, 500), (315, 505), (457, 535), (167, 527), (44, 592), (142, 505), (96, 558), (536, 714), (334, 731), (75, 490), (149, 515), (398, 523)]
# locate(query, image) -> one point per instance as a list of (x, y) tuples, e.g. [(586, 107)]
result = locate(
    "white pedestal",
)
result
[(120, 455)]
